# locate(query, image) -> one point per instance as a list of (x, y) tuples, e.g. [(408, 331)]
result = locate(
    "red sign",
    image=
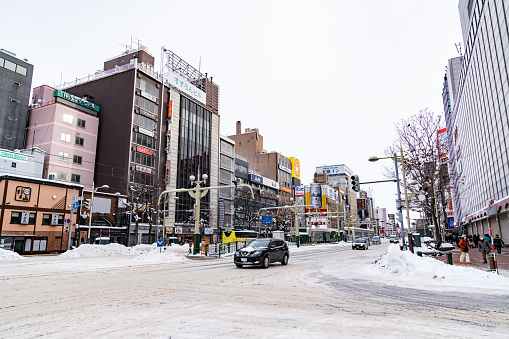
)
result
[(144, 150), (170, 109)]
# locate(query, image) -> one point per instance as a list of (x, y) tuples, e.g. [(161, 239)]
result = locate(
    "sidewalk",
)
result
[(476, 259)]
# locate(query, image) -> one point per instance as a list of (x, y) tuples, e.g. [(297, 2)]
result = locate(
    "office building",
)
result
[(15, 85), (65, 127), (478, 126)]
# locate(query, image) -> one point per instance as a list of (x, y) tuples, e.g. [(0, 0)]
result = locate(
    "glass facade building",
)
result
[(478, 124), (193, 156)]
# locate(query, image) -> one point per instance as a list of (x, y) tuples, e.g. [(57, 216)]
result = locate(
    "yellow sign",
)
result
[(295, 167)]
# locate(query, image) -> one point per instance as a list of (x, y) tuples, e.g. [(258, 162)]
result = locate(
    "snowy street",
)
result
[(325, 291)]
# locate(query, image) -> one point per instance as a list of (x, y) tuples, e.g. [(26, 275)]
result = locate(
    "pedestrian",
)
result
[(463, 244), (484, 246), (457, 240), (498, 243), (470, 241), (475, 238), (190, 247)]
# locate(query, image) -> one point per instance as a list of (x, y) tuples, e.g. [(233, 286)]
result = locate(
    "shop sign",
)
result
[(148, 96), (23, 193), (25, 218), (208, 230), (178, 229), (299, 191), (170, 109), (144, 150), (284, 189), (285, 169), (186, 87), (76, 100), (256, 178), (54, 219), (13, 156), (270, 183), (146, 132), (143, 169)]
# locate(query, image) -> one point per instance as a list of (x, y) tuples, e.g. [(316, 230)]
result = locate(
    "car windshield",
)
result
[(360, 240), (394, 237), (259, 243), (376, 238)]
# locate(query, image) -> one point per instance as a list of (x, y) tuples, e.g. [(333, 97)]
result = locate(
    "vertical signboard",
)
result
[(295, 167), (315, 191)]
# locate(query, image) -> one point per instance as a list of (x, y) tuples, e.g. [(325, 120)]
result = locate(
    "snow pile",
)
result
[(412, 267), (9, 255), (150, 253), (87, 250), (311, 247)]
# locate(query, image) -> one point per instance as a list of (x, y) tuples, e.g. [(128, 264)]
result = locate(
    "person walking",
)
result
[(498, 243), (475, 238), (485, 246), (463, 245)]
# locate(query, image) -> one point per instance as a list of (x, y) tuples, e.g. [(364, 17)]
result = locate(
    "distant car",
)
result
[(394, 239), (262, 252), (376, 240), (360, 243)]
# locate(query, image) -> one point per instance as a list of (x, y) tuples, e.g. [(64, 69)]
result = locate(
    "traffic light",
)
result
[(355, 183), (87, 203)]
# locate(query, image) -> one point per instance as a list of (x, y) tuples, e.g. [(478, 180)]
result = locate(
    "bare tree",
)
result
[(417, 137)]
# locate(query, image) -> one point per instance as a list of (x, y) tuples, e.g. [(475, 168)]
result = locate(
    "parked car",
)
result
[(376, 240), (360, 243), (262, 252), (394, 239)]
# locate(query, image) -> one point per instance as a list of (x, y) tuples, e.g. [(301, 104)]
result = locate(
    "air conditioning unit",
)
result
[(52, 176)]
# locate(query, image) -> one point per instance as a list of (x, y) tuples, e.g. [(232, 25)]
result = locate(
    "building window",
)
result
[(65, 137), (11, 66), (80, 123), (23, 218), (147, 105), (145, 122), (226, 162), (143, 159), (77, 159), (144, 140), (21, 70), (147, 87), (78, 141), (62, 156), (75, 178), (53, 219), (67, 119), (61, 175), (13, 165)]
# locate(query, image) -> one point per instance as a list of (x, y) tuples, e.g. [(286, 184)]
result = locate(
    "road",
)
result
[(214, 299)]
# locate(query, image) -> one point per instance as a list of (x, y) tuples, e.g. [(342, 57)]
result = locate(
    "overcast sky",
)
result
[(323, 81)]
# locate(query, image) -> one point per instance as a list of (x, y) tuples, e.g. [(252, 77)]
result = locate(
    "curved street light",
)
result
[(91, 208)]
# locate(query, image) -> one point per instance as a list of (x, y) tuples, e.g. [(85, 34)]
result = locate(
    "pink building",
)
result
[(65, 127)]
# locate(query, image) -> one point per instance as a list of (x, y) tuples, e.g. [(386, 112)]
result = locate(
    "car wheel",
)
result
[(266, 261), (285, 260), (238, 265)]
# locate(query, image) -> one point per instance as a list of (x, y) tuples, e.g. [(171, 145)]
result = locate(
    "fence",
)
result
[(219, 249)]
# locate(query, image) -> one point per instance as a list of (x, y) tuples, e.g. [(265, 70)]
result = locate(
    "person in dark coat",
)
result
[(475, 238), (485, 246), (498, 243)]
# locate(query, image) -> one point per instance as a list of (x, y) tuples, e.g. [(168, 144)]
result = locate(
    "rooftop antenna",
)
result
[(458, 48), (126, 46)]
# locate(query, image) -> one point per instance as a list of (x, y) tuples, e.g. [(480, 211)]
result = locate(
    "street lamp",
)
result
[(373, 159), (197, 193), (94, 189)]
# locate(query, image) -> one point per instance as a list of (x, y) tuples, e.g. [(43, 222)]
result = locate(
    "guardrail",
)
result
[(219, 249)]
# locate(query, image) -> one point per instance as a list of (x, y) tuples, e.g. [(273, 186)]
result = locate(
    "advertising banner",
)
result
[(256, 178), (295, 167), (315, 191), (186, 87), (299, 191)]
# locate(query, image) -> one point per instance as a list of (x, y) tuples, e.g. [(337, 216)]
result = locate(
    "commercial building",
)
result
[(272, 165), (156, 130), (65, 127), (35, 214), (226, 177), (15, 85), (478, 121), (25, 162)]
